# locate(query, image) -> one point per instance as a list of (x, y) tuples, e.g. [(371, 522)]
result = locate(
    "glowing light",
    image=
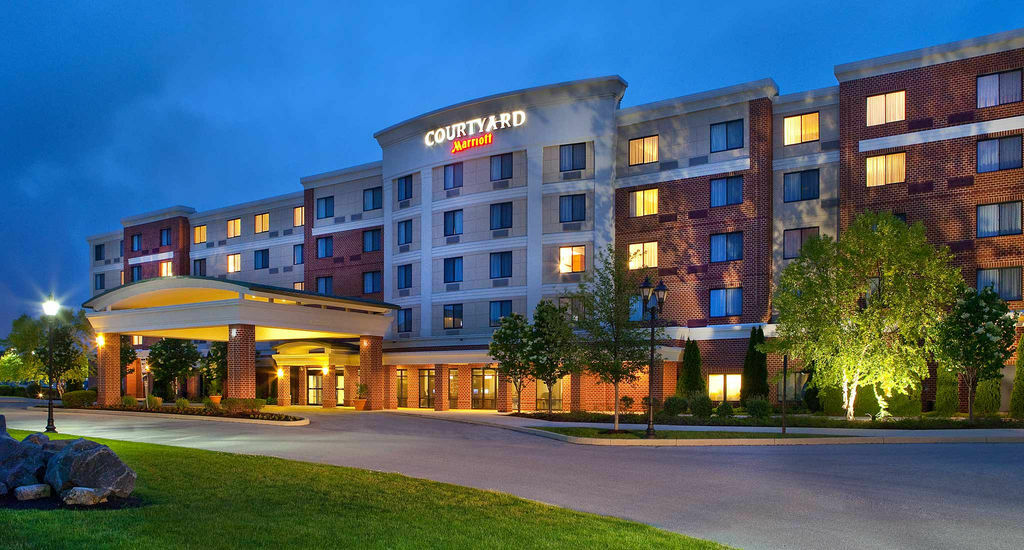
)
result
[(474, 126), (51, 307), (327, 370), (100, 340), (280, 373)]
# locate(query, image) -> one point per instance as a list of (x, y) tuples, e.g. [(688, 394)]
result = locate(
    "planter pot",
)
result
[(215, 399), (359, 404)]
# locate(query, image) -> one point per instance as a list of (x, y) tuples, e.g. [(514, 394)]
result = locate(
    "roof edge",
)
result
[(698, 101), (157, 215)]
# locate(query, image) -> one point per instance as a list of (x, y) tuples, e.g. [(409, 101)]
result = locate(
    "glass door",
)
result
[(341, 385), (314, 389), (542, 396), (403, 387), (453, 389), (485, 388), (427, 388)]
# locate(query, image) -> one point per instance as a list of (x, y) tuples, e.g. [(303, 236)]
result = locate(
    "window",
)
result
[(325, 207), (643, 203), (298, 254), (234, 228), (99, 282), (501, 215), (724, 387), (404, 276), (234, 263), (999, 154), (299, 285), (324, 247), (453, 270), (136, 273), (403, 188), (404, 320), (325, 285), (261, 223), (999, 88), (166, 269), (298, 216), (793, 240), (371, 240), (643, 255), (199, 267), (886, 169), (800, 128), (499, 309), (800, 186), (726, 302), (643, 150), (885, 108), (404, 232), (572, 157), (136, 243), (372, 282), (453, 175), (572, 259), (725, 191), (501, 264), (727, 135), (999, 219), (572, 304), (501, 167), (452, 316), (165, 236), (1004, 281), (199, 234), (261, 258), (452, 223), (97, 252), (373, 198), (726, 247), (572, 208), (136, 340)]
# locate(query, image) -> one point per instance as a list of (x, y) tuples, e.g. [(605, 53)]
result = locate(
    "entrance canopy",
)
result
[(203, 308)]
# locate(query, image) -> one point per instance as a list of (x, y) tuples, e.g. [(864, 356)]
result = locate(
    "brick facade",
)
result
[(371, 367), (284, 387), (348, 262), (329, 394), (150, 232), (108, 371), (241, 382)]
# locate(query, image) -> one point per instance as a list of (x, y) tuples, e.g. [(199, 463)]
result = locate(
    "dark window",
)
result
[(452, 316), (372, 198), (120, 248), (572, 208), (999, 219), (727, 135), (97, 252), (501, 167), (453, 270), (453, 175), (800, 186), (298, 256), (501, 264), (501, 215), (371, 240), (99, 281), (453, 223), (725, 191), (403, 186), (371, 282), (999, 88), (199, 267), (136, 273), (136, 243), (324, 247), (404, 320), (1004, 281), (999, 154), (726, 302), (165, 236), (405, 232), (325, 285), (727, 246), (261, 258), (793, 240), (572, 157), (499, 309), (324, 207), (404, 276)]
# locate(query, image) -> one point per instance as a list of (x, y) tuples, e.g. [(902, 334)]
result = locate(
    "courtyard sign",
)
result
[(464, 131)]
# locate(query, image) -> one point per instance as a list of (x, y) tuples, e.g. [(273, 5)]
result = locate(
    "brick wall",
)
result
[(241, 382), (108, 371), (348, 263), (180, 241)]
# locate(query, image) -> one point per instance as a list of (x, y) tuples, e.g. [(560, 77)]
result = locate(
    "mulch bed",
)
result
[(8, 502)]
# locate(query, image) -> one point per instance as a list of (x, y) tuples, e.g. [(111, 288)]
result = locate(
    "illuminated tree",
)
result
[(510, 346), (29, 340), (553, 350), (171, 359)]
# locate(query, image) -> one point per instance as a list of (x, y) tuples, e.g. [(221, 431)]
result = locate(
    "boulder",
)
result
[(82, 496), (32, 492), (3, 424), (3, 489), (24, 463), (83, 463)]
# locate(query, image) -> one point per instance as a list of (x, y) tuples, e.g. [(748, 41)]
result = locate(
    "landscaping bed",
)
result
[(601, 433), (197, 411)]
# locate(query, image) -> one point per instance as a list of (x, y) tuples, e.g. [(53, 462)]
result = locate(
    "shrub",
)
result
[(236, 405), (13, 391), (987, 398), (675, 406), (700, 405), (129, 402), (1017, 394), (758, 407), (271, 401), (75, 399), (724, 410), (947, 399), (626, 403), (755, 368), (646, 401), (154, 402), (811, 394), (74, 385), (33, 390), (689, 379), (210, 405), (362, 390), (181, 404)]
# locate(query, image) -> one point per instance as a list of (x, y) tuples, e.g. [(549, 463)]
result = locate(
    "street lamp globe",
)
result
[(50, 306), (660, 291), (645, 290)]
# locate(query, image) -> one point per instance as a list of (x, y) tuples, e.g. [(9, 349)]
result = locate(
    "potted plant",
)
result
[(214, 367), (215, 385), (360, 402)]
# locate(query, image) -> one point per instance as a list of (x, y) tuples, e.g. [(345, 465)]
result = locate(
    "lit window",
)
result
[(886, 169), (501, 167), (373, 199), (999, 154), (572, 157), (800, 186), (136, 340), (643, 203), (726, 191), (261, 223), (234, 263), (403, 186), (371, 240), (572, 208), (298, 216), (166, 269), (404, 320), (643, 150), (727, 135), (572, 259), (793, 240), (452, 316), (299, 285), (122, 276), (453, 175), (999, 219), (199, 234), (325, 207), (234, 228), (726, 302), (726, 247), (800, 128), (884, 108), (643, 255), (999, 89), (499, 309), (724, 387), (1003, 281)]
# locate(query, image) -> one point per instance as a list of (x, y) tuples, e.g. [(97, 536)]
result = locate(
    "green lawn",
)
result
[(671, 434), (204, 499)]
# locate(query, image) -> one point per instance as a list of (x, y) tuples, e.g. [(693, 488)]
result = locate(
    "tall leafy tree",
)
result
[(29, 340), (554, 352), (64, 357), (510, 345), (863, 310), (755, 368), (975, 339), (171, 359), (613, 347), (690, 380)]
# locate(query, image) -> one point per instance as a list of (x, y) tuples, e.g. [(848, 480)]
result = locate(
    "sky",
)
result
[(113, 109)]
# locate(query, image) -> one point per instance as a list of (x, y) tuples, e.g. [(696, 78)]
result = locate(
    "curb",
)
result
[(303, 422)]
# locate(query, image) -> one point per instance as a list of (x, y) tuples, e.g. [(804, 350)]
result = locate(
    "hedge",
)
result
[(987, 398), (866, 404), (76, 399)]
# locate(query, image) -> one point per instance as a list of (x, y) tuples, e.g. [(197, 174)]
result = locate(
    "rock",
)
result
[(82, 496), (32, 492), (3, 424), (3, 489), (24, 464), (84, 463)]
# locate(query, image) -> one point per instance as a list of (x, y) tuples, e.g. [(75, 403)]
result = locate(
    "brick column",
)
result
[(303, 387), (503, 399), (440, 387), (371, 370), (284, 387), (192, 386), (241, 382), (575, 392), (391, 385), (351, 385), (108, 370), (330, 391)]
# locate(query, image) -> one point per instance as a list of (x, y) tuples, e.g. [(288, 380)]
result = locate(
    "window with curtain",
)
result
[(373, 198), (643, 255), (166, 269), (404, 276), (499, 309), (404, 231), (501, 167), (800, 128), (793, 240), (727, 135), (100, 281), (452, 316), (453, 175), (234, 227), (325, 285), (800, 186), (371, 240), (136, 273), (299, 285), (261, 222), (324, 208), (999, 88), (298, 216), (453, 223), (643, 202), (637, 311), (725, 191), (136, 243), (643, 150), (572, 208), (234, 263), (886, 169), (572, 157), (724, 387), (501, 215), (404, 320), (726, 302), (885, 108), (453, 270), (298, 254), (572, 259), (999, 219), (371, 282), (165, 237), (199, 234), (324, 247), (403, 186), (261, 258), (726, 247), (1004, 281), (501, 264), (999, 154)]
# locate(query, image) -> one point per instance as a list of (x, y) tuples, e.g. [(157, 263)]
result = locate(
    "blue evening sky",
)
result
[(109, 110)]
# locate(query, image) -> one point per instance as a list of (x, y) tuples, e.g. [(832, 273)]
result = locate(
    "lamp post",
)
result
[(646, 289), (50, 308)]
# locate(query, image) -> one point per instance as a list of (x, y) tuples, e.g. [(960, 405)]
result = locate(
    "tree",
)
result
[(553, 351), (510, 346), (863, 309), (755, 368), (690, 380), (1017, 394), (613, 347), (128, 355), (975, 339), (171, 359), (29, 340), (65, 359), (12, 368), (214, 367)]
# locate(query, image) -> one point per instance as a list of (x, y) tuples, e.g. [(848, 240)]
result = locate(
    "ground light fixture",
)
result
[(50, 309), (660, 291)]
